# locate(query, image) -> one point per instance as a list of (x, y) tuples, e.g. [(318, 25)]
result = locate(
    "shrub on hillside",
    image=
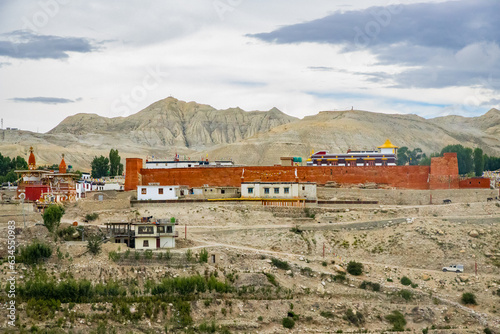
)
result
[(288, 322), (354, 317), (397, 320), (52, 217), (405, 281), (468, 298), (280, 264), (91, 216), (355, 268), (34, 253)]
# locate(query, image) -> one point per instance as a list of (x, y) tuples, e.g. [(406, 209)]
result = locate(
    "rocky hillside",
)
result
[(171, 126), (338, 131), (171, 122)]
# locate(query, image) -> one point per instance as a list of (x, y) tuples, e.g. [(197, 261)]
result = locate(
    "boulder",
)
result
[(474, 233), (339, 269)]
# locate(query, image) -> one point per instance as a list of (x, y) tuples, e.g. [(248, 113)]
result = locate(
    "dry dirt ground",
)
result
[(392, 241)]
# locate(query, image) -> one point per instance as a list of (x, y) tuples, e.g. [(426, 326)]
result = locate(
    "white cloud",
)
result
[(203, 57)]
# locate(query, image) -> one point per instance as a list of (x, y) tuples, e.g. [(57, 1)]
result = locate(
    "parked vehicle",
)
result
[(458, 268)]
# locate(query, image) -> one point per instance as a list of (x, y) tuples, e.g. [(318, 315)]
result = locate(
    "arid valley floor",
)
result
[(403, 235)]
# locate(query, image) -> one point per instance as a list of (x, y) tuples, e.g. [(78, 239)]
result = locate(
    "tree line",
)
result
[(470, 161), (107, 166), (8, 166)]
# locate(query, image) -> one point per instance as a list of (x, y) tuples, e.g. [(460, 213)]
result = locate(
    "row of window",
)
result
[(268, 190), (349, 163), (144, 191), (150, 229)]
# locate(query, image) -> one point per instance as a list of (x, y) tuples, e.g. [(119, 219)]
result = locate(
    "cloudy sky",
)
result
[(114, 58)]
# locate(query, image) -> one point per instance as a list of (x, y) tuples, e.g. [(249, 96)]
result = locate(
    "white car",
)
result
[(458, 268)]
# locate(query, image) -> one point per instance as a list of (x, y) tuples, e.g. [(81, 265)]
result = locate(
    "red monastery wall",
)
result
[(132, 173), (475, 182), (412, 177), (442, 174)]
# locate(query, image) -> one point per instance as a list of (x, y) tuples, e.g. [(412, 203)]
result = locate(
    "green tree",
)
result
[(116, 168), (100, 167), (94, 245), (414, 156), (402, 156), (18, 163), (478, 161), (52, 217)]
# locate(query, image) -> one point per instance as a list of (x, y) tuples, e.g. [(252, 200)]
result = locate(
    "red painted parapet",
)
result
[(442, 174), (132, 173), (475, 182), (410, 177)]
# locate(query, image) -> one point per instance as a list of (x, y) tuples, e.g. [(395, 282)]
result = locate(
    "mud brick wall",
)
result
[(442, 174)]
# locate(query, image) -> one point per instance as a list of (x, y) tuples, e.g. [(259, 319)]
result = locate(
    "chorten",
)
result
[(62, 166), (31, 160)]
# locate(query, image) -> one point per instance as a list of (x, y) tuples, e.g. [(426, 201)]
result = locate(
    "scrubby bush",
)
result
[(189, 255), (34, 253), (66, 233), (373, 286), (468, 298), (91, 216), (288, 322), (114, 256), (354, 317), (203, 256), (94, 245), (280, 264), (405, 281), (340, 277), (272, 279), (52, 217), (397, 320), (406, 294), (148, 254), (327, 314), (355, 268)]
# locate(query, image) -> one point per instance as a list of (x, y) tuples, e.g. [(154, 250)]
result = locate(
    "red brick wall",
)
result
[(411, 177), (132, 176), (476, 182), (444, 172)]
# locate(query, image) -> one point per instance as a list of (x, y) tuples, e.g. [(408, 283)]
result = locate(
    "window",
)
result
[(145, 230), (160, 191), (266, 190), (250, 190), (276, 190), (161, 229), (303, 188), (145, 243), (222, 191), (144, 191), (287, 190), (169, 229)]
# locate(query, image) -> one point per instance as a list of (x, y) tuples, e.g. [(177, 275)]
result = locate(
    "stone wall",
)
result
[(407, 197)]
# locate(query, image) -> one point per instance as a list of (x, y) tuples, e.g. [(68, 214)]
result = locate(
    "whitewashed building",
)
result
[(278, 190), (147, 234), (157, 193)]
